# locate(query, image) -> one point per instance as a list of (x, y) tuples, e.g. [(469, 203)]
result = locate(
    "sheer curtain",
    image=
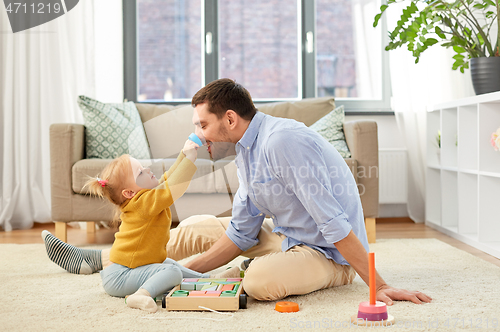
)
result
[(42, 71), (414, 88), (367, 45)]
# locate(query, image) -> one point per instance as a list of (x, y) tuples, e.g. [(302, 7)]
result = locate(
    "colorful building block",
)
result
[(188, 286), (227, 287), (228, 293), (210, 287), (197, 293), (180, 293), (199, 285)]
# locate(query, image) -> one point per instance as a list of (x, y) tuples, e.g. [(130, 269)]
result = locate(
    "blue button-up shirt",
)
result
[(292, 174)]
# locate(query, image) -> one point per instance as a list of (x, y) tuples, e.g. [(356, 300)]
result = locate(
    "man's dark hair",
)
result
[(225, 94)]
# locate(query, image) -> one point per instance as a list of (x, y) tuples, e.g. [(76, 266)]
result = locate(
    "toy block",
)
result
[(213, 293), (199, 285), (234, 279), (190, 280), (180, 293), (227, 287), (210, 287), (188, 286), (228, 293), (212, 280), (197, 293)]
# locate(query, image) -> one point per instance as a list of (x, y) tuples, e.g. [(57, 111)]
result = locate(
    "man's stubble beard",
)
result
[(224, 148)]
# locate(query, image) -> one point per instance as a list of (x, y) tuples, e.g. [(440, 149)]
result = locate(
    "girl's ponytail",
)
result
[(95, 187), (109, 184)]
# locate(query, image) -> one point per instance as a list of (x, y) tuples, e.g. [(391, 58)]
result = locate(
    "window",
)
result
[(169, 49), (279, 50)]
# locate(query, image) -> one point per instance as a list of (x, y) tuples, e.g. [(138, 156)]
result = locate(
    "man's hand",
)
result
[(387, 294), (355, 254), (222, 252)]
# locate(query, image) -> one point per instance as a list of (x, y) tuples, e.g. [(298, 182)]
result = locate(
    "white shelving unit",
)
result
[(463, 176)]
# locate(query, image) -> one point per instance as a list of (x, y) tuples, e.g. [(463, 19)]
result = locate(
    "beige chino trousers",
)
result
[(273, 274)]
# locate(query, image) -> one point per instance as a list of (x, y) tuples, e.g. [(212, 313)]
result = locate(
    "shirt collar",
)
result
[(252, 131)]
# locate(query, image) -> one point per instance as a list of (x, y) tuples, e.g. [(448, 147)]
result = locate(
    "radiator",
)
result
[(393, 176)]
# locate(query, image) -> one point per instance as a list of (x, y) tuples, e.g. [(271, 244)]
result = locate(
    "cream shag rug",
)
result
[(37, 295)]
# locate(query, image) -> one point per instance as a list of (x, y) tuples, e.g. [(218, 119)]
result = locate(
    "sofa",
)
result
[(210, 192)]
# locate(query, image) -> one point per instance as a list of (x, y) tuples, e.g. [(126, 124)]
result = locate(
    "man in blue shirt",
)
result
[(290, 173)]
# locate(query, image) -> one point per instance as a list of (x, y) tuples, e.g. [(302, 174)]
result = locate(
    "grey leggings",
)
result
[(157, 279)]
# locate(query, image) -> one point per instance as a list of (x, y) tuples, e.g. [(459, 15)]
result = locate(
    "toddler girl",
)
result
[(141, 269)]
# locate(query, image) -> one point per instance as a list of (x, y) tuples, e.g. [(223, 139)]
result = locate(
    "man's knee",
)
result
[(261, 284)]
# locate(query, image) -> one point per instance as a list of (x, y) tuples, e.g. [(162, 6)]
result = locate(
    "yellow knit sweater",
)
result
[(146, 218)]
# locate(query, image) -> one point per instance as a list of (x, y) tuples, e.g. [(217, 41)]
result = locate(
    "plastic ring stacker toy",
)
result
[(195, 139), (286, 306)]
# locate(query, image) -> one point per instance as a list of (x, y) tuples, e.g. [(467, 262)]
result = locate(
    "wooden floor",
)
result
[(387, 228)]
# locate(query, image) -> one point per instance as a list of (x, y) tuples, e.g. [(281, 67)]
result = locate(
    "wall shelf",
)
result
[(463, 176)]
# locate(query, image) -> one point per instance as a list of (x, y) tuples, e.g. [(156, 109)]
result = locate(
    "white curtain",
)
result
[(42, 71), (415, 87), (366, 40)]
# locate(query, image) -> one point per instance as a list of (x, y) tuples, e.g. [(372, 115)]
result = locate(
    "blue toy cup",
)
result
[(195, 139)]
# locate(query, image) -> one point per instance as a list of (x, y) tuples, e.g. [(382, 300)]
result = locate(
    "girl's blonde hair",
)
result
[(110, 184)]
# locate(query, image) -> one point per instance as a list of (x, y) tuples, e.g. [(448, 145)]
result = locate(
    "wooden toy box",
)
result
[(209, 293)]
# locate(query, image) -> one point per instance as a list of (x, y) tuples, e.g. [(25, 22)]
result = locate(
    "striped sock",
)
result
[(71, 258)]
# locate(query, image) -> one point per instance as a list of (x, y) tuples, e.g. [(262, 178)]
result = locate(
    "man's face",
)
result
[(213, 131)]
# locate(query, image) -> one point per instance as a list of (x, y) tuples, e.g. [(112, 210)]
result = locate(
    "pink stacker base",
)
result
[(372, 313)]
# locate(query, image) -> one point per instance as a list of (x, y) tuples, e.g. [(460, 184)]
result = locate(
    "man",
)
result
[(315, 237), (285, 171)]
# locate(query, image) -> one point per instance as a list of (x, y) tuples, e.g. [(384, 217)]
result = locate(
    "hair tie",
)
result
[(102, 182)]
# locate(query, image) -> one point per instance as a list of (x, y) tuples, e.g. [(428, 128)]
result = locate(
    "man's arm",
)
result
[(222, 252), (353, 251)]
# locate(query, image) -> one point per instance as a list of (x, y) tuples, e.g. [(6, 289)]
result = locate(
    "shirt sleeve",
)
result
[(299, 164), (246, 220)]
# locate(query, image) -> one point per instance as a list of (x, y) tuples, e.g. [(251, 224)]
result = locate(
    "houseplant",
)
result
[(465, 25)]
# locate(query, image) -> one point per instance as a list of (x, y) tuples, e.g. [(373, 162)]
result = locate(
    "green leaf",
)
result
[(431, 41), (377, 18), (490, 2), (383, 8), (440, 33), (458, 49), (481, 40)]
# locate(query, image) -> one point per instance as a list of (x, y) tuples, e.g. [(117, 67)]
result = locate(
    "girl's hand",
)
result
[(190, 150)]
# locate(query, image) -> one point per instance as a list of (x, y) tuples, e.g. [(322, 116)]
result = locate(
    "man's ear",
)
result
[(232, 118), (128, 193)]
